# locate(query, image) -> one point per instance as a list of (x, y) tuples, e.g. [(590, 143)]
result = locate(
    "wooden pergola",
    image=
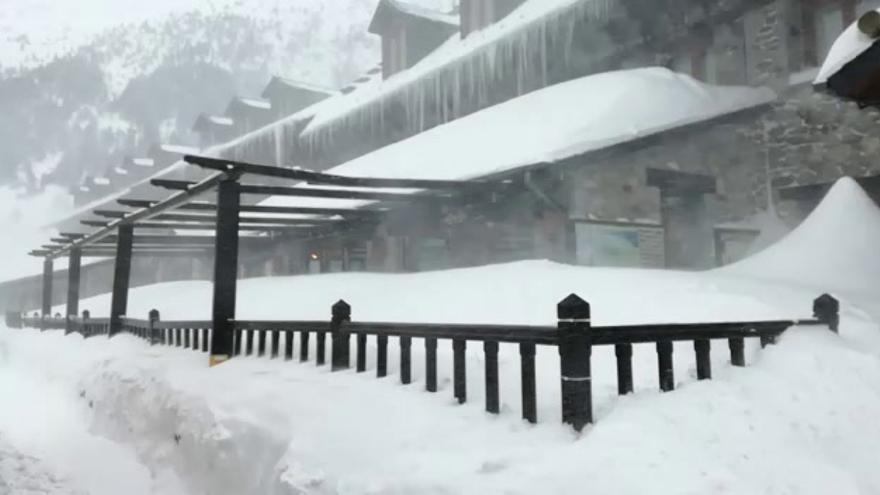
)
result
[(223, 222)]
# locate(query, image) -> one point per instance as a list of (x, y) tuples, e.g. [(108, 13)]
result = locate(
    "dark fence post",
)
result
[(381, 356), (196, 339), (321, 348), (261, 343), (405, 360), (74, 268), (493, 400), (361, 352), (304, 346), (737, 351), (703, 350), (529, 383), (340, 336), (86, 327), (575, 350), (154, 318), (827, 310), (624, 353), (121, 277), (276, 343), (206, 340), (288, 345), (249, 342), (186, 337), (459, 370), (665, 366), (431, 364)]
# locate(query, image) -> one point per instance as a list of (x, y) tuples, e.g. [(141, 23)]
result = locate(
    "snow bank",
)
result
[(517, 293), (800, 419), (845, 49), (834, 248)]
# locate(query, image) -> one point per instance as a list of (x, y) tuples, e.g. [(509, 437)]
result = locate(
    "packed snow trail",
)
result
[(46, 445)]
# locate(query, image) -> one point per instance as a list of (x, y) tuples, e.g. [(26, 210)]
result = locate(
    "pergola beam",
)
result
[(223, 165), (146, 214), (335, 193), (212, 219), (292, 210), (182, 185)]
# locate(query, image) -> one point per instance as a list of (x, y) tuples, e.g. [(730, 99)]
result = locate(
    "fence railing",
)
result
[(574, 336)]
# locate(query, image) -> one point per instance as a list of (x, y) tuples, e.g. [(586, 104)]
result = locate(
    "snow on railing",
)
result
[(574, 336)]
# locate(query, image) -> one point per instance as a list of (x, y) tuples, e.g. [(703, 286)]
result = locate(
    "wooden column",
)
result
[(48, 272), (121, 277), (74, 271), (225, 269)]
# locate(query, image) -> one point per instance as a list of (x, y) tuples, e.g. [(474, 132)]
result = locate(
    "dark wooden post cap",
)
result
[(341, 311), (825, 305), (573, 308), (869, 24)]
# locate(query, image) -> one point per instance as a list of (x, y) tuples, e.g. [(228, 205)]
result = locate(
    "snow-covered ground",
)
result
[(801, 418)]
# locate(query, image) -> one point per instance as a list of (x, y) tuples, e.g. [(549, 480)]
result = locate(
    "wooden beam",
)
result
[(293, 210), (225, 270), (74, 270), (121, 278), (174, 185), (48, 275), (335, 193), (311, 177), (673, 182), (211, 226), (174, 201)]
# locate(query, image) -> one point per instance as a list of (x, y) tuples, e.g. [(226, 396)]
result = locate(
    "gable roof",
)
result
[(205, 121), (279, 84), (389, 10)]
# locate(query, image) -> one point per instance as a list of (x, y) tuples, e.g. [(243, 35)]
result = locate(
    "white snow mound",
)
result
[(834, 249)]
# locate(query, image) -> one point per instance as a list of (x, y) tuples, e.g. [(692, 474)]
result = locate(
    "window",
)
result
[(829, 25)]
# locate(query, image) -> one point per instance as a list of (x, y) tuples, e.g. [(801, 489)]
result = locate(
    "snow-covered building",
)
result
[(606, 162)]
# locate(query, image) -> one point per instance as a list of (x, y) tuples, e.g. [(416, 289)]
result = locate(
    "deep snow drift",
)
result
[(834, 249), (801, 418)]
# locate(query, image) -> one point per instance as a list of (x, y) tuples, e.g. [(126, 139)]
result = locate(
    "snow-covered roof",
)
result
[(176, 149), (142, 162), (548, 125), (214, 119), (557, 122), (388, 7), (283, 81), (255, 103), (507, 37), (849, 45)]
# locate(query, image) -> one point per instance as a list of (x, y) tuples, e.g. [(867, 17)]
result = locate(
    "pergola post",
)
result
[(121, 277), (74, 271), (225, 269), (48, 273)]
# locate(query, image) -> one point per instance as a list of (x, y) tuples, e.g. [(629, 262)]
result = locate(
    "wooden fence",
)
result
[(573, 336)]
